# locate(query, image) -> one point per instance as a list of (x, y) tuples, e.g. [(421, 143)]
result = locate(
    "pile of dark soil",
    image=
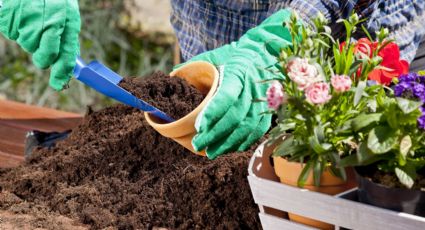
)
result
[(172, 95), (116, 171)]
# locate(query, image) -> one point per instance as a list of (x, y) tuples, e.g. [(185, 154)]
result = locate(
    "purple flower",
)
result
[(421, 122), (402, 89), (408, 77), (418, 91), (412, 86)]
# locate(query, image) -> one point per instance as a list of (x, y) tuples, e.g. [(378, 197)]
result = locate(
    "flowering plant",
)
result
[(323, 89), (390, 134)]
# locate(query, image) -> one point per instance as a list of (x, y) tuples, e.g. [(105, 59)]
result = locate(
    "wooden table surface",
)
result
[(16, 119)]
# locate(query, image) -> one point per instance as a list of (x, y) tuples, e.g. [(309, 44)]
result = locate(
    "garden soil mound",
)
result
[(114, 171)]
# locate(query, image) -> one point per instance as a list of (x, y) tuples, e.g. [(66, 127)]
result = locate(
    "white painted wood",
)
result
[(330, 209), (270, 222), (268, 192)]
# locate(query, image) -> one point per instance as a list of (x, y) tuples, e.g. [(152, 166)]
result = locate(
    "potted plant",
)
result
[(391, 152), (325, 88)]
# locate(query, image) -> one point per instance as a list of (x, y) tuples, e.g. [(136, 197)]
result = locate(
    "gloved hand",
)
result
[(232, 120), (49, 30)]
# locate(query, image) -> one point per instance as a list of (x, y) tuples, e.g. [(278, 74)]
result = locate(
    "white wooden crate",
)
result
[(272, 196)]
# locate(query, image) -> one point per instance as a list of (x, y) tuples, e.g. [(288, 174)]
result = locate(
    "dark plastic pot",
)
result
[(396, 199)]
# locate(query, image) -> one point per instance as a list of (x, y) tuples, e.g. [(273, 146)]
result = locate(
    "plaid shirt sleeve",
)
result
[(203, 25)]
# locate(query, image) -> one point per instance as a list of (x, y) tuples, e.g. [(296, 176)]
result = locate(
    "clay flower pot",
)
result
[(203, 76), (396, 199), (288, 173)]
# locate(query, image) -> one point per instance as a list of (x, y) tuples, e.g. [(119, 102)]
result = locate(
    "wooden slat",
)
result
[(15, 110), (12, 147), (329, 209), (46, 125), (9, 161), (273, 223)]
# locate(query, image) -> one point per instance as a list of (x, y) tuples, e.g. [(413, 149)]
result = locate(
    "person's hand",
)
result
[(49, 30), (232, 120)]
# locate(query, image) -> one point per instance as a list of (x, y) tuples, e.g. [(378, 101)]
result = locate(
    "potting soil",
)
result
[(391, 180), (114, 171), (172, 95)]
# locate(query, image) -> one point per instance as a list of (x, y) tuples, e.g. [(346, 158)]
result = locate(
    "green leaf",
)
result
[(392, 116), (404, 178), (317, 172), (405, 145), (339, 172), (372, 105), (408, 106), (337, 56), (381, 139), (364, 120), (349, 60), (289, 147), (323, 43), (359, 92), (350, 160), (367, 33), (328, 36), (315, 144), (422, 72), (363, 157), (411, 118), (304, 174), (314, 141), (354, 67)]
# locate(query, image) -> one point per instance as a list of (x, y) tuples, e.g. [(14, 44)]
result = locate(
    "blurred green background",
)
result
[(110, 34)]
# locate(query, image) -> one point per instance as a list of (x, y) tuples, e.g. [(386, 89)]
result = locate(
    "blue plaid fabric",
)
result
[(203, 25)]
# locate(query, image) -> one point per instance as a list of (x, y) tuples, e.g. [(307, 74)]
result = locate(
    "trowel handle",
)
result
[(80, 64)]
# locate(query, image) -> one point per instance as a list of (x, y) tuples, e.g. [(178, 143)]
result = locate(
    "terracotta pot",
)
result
[(396, 199), (203, 76), (288, 173)]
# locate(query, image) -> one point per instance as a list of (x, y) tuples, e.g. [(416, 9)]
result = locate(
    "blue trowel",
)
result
[(105, 81)]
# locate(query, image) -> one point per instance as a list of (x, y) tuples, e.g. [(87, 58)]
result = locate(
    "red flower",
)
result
[(390, 59), (365, 46), (390, 55)]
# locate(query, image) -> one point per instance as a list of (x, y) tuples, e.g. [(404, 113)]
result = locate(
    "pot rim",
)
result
[(151, 119)]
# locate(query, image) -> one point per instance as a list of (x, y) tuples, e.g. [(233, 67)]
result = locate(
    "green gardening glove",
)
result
[(48, 29), (232, 121)]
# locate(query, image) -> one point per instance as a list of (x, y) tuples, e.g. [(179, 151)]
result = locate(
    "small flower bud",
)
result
[(383, 33), (354, 19), (376, 60), (308, 32), (327, 29), (309, 43)]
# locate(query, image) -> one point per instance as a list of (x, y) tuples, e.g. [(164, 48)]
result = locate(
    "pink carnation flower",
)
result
[(275, 95), (318, 93), (302, 73), (341, 83)]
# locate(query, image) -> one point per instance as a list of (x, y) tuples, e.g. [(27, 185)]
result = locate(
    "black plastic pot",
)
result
[(396, 199)]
